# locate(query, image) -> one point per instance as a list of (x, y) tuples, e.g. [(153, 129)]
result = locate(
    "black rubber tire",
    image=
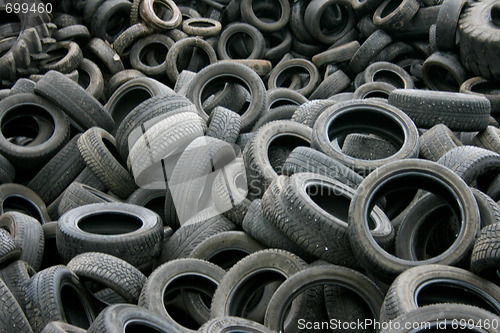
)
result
[(324, 131), (265, 25), (145, 114), (283, 72), (337, 54), (478, 26), (447, 24), (374, 90), (151, 45), (334, 84), (103, 54), (371, 47), (315, 276), (67, 63), (284, 112), (248, 275), (488, 139), (79, 105), (46, 124), (316, 11), (131, 94), (12, 319), (259, 171), (93, 228), (476, 166), (393, 15), (108, 13), (445, 316), (304, 159), (224, 124), (226, 50), (76, 32), (59, 172), (437, 141), (98, 150), (78, 194), (10, 250), (460, 112), (221, 324), (201, 26), (367, 147), (125, 40), (419, 174), (149, 15), (19, 198), (59, 293), (308, 112), (199, 276), (407, 292), (151, 199), (226, 248), (443, 71), (283, 96), (187, 237), (22, 86), (383, 71), (257, 225), (111, 272), (27, 232), (88, 70), (486, 88), (485, 259), (117, 317), (7, 171), (180, 49), (326, 223), (16, 277), (120, 78), (230, 71)]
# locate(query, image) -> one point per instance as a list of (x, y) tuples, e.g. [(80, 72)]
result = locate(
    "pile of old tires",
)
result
[(249, 165)]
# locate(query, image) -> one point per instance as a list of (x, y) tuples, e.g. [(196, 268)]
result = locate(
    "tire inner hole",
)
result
[(75, 311), (109, 223), (389, 77), (280, 148)]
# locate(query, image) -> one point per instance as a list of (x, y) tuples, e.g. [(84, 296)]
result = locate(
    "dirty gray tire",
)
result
[(199, 276), (216, 73), (118, 229), (426, 175), (98, 149), (12, 317), (296, 285), (62, 327), (116, 318), (260, 172), (78, 194), (437, 141), (423, 285), (78, 104), (460, 112), (59, 172), (16, 276), (60, 294), (237, 284), (187, 237), (28, 233), (485, 259), (224, 124), (111, 272)]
